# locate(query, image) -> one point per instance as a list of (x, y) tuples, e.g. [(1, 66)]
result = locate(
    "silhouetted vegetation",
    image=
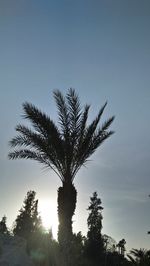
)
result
[(40, 245), (121, 247), (92, 250), (63, 148), (28, 221), (139, 257), (94, 247), (3, 226)]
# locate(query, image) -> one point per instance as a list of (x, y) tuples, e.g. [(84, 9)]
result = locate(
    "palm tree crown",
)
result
[(63, 148)]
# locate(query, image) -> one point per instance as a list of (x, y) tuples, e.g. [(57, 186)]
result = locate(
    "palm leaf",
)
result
[(62, 112), (40, 121), (92, 141), (38, 143), (83, 121), (33, 155), (74, 112), (88, 134)]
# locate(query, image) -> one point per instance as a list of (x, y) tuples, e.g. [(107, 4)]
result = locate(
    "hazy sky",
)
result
[(102, 49)]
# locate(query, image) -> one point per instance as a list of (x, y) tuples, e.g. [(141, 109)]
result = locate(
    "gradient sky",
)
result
[(102, 49)]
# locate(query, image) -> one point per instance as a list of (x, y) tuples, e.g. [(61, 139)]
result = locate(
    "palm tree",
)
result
[(121, 247), (63, 148), (139, 257)]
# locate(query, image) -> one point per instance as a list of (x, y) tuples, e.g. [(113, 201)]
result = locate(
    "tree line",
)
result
[(94, 249)]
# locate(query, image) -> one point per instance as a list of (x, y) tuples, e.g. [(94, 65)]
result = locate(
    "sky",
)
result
[(101, 49)]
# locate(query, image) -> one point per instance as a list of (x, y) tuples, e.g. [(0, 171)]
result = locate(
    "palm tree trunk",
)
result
[(67, 197)]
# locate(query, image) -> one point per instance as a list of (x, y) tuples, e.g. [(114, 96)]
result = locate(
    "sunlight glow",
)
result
[(48, 213)]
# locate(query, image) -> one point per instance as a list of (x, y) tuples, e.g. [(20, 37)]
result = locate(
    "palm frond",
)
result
[(88, 134), (107, 123), (33, 155), (132, 259), (37, 142), (44, 125), (74, 111), (83, 121), (92, 127), (18, 141), (91, 143), (39, 120), (62, 112), (27, 154), (97, 140), (27, 138)]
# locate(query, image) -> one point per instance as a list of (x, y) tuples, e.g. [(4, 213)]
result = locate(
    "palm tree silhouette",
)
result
[(121, 247), (139, 256), (63, 148)]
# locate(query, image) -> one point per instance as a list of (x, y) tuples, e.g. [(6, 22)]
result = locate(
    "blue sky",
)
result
[(102, 49)]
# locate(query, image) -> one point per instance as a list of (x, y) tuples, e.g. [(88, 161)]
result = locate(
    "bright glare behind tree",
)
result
[(63, 148)]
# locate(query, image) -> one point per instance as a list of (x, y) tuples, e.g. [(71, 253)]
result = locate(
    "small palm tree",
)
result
[(63, 148), (139, 257), (121, 247)]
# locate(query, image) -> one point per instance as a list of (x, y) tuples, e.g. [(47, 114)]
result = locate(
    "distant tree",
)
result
[(121, 247), (95, 244), (109, 243), (109, 250), (45, 250), (78, 250), (3, 226), (28, 221)]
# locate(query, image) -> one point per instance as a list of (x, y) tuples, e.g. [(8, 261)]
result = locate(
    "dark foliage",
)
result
[(95, 243), (139, 257), (94, 250), (3, 226), (63, 148), (28, 222), (44, 249), (121, 247)]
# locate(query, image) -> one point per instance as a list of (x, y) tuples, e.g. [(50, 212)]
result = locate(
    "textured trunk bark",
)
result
[(67, 197)]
